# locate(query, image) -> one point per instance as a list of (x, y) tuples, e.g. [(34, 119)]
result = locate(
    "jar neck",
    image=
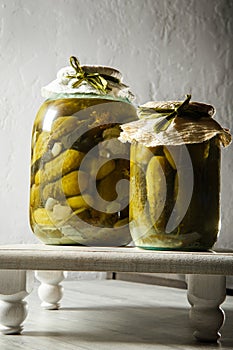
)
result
[(56, 96)]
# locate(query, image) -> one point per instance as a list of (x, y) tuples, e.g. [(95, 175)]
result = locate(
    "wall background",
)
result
[(164, 48)]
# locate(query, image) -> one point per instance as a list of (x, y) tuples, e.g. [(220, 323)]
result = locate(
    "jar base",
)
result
[(190, 249)]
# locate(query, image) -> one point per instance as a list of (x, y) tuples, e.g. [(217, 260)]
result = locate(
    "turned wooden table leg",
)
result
[(205, 294), (50, 291), (14, 287)]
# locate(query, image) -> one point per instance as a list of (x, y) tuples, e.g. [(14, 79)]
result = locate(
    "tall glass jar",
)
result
[(175, 176), (79, 169)]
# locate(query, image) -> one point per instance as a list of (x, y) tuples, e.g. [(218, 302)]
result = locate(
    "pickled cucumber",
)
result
[(42, 217), (66, 162), (158, 183), (35, 196), (40, 146), (77, 202), (69, 185), (139, 215), (105, 169), (107, 183), (62, 126), (169, 157)]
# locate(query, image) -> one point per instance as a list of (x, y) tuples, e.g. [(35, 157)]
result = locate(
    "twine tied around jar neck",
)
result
[(184, 110), (164, 123), (168, 111), (96, 80)]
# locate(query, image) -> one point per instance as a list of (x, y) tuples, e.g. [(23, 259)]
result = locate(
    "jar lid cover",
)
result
[(174, 123), (77, 79)]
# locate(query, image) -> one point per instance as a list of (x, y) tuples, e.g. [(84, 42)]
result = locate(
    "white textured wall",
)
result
[(165, 49)]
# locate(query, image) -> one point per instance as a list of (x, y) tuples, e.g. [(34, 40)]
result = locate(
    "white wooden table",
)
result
[(206, 275)]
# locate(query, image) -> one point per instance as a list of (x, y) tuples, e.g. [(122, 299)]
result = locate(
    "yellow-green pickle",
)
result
[(79, 168), (175, 175)]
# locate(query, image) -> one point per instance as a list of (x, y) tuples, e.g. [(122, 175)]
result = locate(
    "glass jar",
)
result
[(79, 169), (175, 176)]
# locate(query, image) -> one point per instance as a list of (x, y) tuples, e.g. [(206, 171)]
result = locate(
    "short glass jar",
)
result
[(175, 176), (79, 169)]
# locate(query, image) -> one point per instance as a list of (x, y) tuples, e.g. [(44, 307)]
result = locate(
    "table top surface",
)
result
[(114, 259)]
